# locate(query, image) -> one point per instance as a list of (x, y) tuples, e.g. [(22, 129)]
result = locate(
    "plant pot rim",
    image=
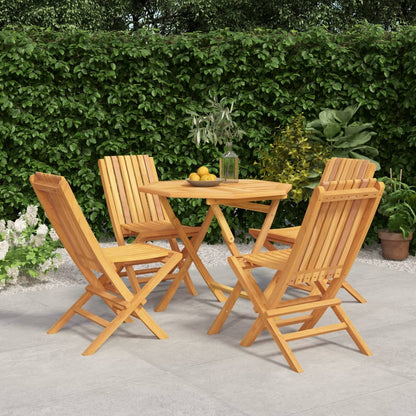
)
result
[(393, 235)]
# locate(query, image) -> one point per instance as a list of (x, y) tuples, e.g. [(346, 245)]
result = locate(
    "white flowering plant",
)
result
[(27, 247)]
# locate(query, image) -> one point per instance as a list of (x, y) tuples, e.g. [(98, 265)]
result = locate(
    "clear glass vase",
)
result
[(229, 164)]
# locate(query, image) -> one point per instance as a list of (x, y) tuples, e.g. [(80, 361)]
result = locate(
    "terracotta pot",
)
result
[(393, 245)]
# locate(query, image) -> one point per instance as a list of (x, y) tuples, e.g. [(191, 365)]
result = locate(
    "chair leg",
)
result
[(354, 334), (190, 284), (253, 333), (353, 292), (167, 297), (131, 274), (283, 345), (226, 309), (122, 315), (150, 323), (106, 333), (187, 278), (57, 326)]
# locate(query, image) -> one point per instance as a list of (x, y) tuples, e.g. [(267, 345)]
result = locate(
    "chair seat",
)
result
[(156, 230), (132, 253), (276, 259), (279, 235)]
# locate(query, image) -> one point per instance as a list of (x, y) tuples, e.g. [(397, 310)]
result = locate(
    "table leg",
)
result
[(226, 232), (192, 256), (236, 292), (267, 223)]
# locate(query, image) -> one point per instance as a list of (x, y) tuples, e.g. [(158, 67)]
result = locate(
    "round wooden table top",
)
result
[(244, 189)]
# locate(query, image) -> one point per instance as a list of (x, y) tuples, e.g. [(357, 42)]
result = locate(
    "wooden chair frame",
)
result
[(64, 213), (336, 169), (138, 214), (335, 225)]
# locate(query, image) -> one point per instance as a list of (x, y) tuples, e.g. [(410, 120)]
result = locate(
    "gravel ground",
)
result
[(212, 255)]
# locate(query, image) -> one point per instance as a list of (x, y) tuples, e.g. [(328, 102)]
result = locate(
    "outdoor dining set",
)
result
[(316, 258)]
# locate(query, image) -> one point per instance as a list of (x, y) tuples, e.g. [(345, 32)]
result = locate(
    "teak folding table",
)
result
[(244, 194)]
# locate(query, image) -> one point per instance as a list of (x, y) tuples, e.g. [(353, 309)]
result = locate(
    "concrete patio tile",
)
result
[(400, 400), (63, 383), (394, 348), (263, 387)]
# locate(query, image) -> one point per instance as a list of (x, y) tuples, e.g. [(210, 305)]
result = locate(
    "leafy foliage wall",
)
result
[(69, 98)]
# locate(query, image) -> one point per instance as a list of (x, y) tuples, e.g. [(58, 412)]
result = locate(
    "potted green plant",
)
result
[(216, 125), (398, 206)]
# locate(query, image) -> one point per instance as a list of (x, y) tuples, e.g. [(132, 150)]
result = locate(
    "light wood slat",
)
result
[(348, 195), (302, 307), (331, 233), (138, 252), (92, 317), (142, 180), (130, 183), (110, 190), (121, 189), (64, 213), (300, 301), (139, 197), (292, 321), (250, 206), (159, 227), (228, 289), (105, 295), (314, 332), (271, 259), (149, 198), (151, 171)]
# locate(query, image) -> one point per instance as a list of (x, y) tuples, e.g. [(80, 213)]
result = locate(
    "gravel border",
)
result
[(212, 255)]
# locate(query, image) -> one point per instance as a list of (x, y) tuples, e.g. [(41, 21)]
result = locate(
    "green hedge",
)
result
[(69, 98)]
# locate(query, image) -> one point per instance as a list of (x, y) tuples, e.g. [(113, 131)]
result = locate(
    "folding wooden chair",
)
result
[(64, 213), (335, 225), (138, 214), (336, 169)]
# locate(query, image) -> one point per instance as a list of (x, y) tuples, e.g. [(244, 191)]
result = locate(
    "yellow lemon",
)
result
[(194, 177), (212, 177), (206, 177), (203, 170)]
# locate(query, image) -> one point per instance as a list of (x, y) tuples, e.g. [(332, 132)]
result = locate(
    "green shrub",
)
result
[(294, 158), (70, 98)]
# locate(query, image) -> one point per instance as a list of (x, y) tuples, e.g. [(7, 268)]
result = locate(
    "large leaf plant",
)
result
[(342, 137)]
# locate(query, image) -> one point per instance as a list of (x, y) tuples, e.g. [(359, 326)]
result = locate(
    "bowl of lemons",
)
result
[(203, 178)]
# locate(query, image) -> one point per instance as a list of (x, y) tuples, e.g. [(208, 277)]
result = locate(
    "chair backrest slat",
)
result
[(130, 183), (118, 175), (114, 204), (152, 174), (140, 197)]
